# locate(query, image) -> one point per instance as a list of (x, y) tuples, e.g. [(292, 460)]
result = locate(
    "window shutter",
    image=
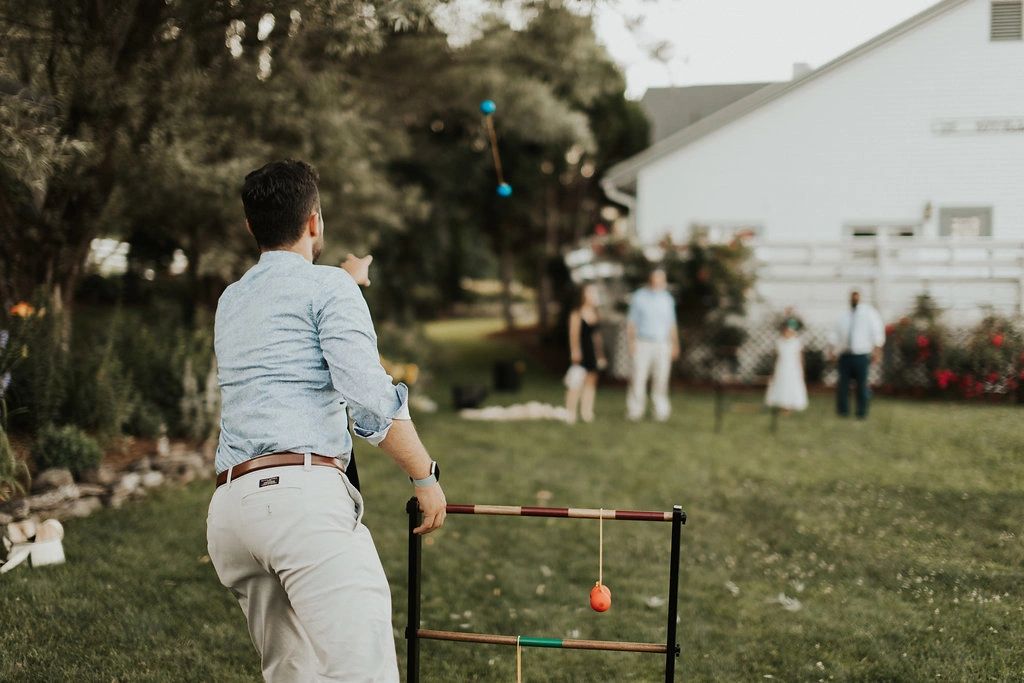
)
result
[(1007, 20)]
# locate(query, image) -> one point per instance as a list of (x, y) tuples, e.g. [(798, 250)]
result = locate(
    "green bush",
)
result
[(101, 396), (38, 386), (66, 446), (14, 477)]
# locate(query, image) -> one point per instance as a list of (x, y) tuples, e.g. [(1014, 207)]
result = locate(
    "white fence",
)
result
[(965, 277)]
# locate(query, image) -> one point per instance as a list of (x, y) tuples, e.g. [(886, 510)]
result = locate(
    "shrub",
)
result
[(66, 446), (14, 477), (814, 365), (101, 396), (984, 361), (38, 385), (915, 346)]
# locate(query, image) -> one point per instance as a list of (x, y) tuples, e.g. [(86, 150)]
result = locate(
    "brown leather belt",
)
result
[(263, 462)]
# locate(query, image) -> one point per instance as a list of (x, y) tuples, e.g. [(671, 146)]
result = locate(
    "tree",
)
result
[(91, 88)]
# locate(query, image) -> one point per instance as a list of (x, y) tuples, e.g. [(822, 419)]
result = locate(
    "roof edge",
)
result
[(626, 170)]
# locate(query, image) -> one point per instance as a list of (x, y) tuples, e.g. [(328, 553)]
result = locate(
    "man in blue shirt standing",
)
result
[(653, 344), (295, 349)]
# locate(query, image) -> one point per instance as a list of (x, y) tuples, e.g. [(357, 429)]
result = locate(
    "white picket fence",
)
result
[(965, 277)]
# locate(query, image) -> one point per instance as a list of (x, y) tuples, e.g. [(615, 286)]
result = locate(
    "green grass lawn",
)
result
[(896, 543)]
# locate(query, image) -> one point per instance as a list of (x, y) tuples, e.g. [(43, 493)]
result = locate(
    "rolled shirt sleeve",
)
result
[(349, 346)]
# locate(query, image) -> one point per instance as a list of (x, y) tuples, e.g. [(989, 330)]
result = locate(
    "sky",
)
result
[(712, 41), (736, 41)]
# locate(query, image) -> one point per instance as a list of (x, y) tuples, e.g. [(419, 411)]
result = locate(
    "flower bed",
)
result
[(925, 357)]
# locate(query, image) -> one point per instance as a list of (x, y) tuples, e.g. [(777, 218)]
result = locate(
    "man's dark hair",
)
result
[(278, 198)]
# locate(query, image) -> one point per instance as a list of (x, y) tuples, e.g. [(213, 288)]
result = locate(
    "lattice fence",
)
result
[(755, 358)]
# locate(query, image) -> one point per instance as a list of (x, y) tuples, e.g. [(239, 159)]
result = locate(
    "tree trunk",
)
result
[(507, 268), (545, 288)]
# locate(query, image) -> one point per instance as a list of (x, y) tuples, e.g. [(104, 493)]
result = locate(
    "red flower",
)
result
[(993, 377), (923, 342), (997, 340), (889, 329), (944, 378)]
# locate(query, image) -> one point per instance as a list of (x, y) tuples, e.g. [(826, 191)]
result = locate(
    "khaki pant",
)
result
[(653, 360), (290, 545)]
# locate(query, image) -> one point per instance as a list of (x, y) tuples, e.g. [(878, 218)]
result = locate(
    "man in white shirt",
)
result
[(858, 337), (653, 344)]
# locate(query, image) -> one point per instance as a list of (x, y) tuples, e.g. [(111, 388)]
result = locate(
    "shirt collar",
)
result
[(280, 256)]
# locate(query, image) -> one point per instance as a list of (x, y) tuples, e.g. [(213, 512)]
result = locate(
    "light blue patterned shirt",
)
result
[(653, 313), (295, 346)]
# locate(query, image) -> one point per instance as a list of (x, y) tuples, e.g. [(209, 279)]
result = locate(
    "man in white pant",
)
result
[(653, 344), (295, 348)]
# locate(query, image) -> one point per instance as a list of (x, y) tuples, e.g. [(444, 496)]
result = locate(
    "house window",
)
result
[(1007, 20), (890, 230), (965, 221)]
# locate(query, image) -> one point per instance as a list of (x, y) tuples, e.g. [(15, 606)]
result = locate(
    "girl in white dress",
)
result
[(787, 390)]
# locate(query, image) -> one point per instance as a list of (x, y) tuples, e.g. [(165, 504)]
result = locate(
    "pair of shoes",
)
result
[(42, 545)]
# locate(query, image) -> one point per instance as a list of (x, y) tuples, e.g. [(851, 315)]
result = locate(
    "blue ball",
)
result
[(488, 107), (504, 190)]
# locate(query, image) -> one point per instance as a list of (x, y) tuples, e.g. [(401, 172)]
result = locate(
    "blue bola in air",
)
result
[(487, 108)]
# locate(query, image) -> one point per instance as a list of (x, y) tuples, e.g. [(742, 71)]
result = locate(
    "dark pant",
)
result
[(853, 366)]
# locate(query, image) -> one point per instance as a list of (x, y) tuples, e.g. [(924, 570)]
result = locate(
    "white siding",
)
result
[(857, 145)]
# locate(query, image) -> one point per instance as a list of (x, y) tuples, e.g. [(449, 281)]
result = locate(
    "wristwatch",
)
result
[(430, 479)]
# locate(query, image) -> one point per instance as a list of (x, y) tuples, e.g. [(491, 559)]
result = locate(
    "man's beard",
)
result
[(318, 247)]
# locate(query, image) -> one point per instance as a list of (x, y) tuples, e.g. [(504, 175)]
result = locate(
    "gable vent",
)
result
[(1007, 20)]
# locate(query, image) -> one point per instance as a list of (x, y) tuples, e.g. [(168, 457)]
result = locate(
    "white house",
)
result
[(897, 167)]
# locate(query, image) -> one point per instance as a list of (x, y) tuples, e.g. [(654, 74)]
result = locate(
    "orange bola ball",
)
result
[(600, 597)]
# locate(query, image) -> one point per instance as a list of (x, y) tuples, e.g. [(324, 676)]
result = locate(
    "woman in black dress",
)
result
[(587, 350)]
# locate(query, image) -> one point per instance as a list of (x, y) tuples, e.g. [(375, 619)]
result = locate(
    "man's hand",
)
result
[(432, 504), (358, 268), (675, 352), (876, 355)]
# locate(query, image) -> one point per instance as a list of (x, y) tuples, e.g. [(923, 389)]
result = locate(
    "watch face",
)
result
[(435, 469)]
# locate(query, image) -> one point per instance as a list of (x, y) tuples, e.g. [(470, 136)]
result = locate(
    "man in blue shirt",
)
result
[(295, 348), (653, 344)]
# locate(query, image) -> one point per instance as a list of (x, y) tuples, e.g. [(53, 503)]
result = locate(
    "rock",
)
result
[(115, 499), (52, 478), (92, 490), (163, 446), (143, 464), (18, 509), (152, 479), (52, 499), (103, 475), (128, 483), (5, 518), (182, 468), (83, 507)]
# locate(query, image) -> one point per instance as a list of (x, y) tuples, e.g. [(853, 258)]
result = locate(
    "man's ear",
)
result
[(249, 227), (313, 225)]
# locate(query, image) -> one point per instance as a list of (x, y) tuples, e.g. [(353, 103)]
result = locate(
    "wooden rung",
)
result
[(531, 641)]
